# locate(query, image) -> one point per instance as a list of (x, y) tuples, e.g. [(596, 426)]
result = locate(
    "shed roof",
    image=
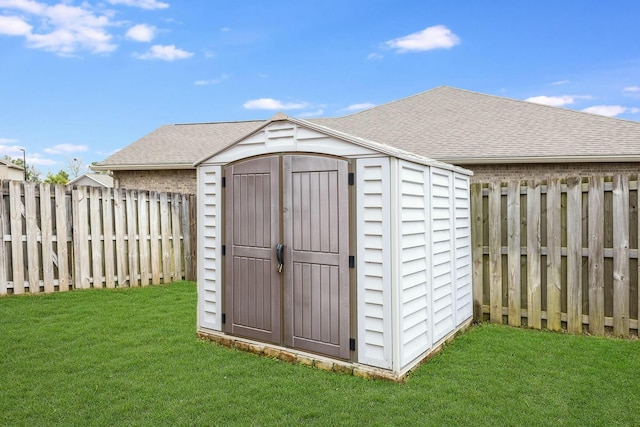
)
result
[(445, 123)]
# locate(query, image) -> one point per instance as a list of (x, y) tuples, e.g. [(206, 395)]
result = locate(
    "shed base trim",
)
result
[(327, 364)]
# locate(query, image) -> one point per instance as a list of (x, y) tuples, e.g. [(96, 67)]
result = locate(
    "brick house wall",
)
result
[(522, 171), (184, 180), (172, 180)]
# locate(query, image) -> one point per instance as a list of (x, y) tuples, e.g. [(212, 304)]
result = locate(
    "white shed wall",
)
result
[(462, 206), (373, 262), (209, 244), (443, 248), (415, 260)]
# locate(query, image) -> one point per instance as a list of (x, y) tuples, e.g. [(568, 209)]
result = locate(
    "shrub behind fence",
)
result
[(54, 238)]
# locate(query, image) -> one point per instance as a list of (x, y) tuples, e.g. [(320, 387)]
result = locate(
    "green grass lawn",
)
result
[(131, 357)]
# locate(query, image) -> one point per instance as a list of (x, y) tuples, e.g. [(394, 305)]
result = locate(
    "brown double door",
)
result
[(302, 203)]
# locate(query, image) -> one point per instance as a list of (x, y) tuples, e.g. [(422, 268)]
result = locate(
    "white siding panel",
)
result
[(464, 303), (414, 230), (209, 241), (443, 248), (373, 262)]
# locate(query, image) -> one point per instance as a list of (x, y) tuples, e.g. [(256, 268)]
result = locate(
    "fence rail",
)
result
[(558, 254), (53, 238)]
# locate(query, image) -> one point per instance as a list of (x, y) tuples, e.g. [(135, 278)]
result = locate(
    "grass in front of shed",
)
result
[(131, 357)]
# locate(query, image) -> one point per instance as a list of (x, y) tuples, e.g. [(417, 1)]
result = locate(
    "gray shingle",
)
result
[(444, 123), (181, 144), (458, 125)]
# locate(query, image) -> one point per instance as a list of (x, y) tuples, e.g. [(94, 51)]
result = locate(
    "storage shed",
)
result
[(332, 248)]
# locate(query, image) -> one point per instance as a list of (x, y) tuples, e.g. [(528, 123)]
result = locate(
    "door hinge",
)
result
[(352, 261), (224, 181), (224, 250), (352, 178), (352, 344), (224, 318)]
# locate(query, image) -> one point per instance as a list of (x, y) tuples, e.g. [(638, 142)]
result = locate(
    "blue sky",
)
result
[(82, 79)]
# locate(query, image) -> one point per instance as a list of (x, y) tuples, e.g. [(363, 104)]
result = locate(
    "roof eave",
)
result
[(164, 166), (540, 159)]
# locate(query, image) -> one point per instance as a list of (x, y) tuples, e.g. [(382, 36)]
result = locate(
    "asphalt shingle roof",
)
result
[(181, 144), (444, 123)]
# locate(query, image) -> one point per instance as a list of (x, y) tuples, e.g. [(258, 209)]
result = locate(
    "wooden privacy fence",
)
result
[(54, 238), (558, 253)]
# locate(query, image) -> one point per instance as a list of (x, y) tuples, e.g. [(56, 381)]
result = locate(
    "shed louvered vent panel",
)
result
[(443, 291), (464, 306), (374, 347), (209, 274), (414, 258)]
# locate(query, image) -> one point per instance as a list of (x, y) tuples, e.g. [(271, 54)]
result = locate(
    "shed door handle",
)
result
[(280, 256)]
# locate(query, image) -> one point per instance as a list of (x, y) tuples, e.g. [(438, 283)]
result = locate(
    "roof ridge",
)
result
[(217, 123)]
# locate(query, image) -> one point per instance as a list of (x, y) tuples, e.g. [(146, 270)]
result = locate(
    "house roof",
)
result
[(10, 165), (177, 146), (445, 123), (99, 178), (464, 127)]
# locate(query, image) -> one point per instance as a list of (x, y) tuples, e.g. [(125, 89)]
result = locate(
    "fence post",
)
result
[(574, 255), (534, 287)]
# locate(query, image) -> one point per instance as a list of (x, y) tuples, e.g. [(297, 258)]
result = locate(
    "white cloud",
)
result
[(560, 83), (61, 28), (374, 56), (557, 101), (8, 149), (143, 4), (273, 104), (165, 53), (318, 113), (8, 140), (14, 26), (36, 159), (610, 110), (554, 101), (141, 33), (66, 148), (212, 81), (436, 37), (225, 29), (632, 89), (358, 107)]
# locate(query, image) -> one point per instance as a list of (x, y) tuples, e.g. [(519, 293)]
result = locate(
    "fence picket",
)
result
[(185, 226), (61, 238), (621, 255), (107, 233), (47, 238), (574, 255), (154, 233), (143, 238), (534, 288), (175, 233), (119, 216), (33, 259), (4, 289), (95, 215), (553, 255), (596, 255), (15, 202), (81, 238), (132, 235), (495, 252), (513, 243), (477, 257), (165, 232)]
